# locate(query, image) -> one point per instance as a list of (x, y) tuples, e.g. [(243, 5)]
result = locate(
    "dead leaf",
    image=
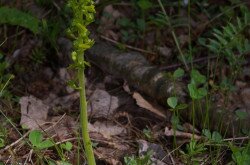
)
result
[(107, 129), (108, 155), (102, 104), (64, 128), (170, 132), (65, 101), (141, 102), (33, 112)]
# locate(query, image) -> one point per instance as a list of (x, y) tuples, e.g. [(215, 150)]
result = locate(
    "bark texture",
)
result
[(134, 68)]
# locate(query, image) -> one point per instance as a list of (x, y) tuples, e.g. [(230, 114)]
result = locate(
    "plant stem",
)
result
[(84, 115), (174, 35)]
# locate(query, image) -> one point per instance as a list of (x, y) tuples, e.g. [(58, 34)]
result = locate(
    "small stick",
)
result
[(127, 46), (236, 138), (179, 65)]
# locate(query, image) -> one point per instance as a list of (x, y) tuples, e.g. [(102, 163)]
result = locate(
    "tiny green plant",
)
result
[(140, 160), (83, 14), (147, 133), (240, 155), (39, 144), (36, 139), (212, 137), (174, 105), (66, 146), (193, 149)]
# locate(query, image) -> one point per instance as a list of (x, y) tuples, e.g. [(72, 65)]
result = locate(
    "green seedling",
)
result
[(241, 114), (213, 137), (147, 133), (197, 79), (36, 139), (141, 160), (240, 155), (175, 107), (193, 149), (66, 146)]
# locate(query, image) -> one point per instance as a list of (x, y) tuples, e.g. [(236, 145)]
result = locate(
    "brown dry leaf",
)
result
[(107, 129), (33, 112), (102, 104), (170, 132), (141, 102), (108, 155), (65, 101), (111, 150), (64, 127), (189, 128)]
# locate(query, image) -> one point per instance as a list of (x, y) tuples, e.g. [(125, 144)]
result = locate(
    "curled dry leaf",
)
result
[(141, 102), (170, 132)]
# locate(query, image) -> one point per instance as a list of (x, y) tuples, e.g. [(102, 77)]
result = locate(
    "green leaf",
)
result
[(216, 136), (178, 73), (181, 106), (207, 133), (16, 17), (196, 93), (144, 4), (35, 137), (197, 77), (45, 144), (172, 102), (241, 114), (67, 146)]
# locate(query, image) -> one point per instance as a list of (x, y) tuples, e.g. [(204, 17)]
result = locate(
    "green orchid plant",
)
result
[(83, 14)]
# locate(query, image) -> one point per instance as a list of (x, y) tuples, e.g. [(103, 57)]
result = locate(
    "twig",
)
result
[(180, 64), (16, 142), (27, 133), (127, 46), (237, 138)]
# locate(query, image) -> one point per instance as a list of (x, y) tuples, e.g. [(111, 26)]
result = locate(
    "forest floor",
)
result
[(126, 126)]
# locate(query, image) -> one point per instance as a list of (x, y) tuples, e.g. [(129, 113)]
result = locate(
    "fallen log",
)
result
[(136, 70), (148, 79)]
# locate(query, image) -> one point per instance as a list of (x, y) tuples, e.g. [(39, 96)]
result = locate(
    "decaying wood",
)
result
[(148, 79), (134, 68)]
